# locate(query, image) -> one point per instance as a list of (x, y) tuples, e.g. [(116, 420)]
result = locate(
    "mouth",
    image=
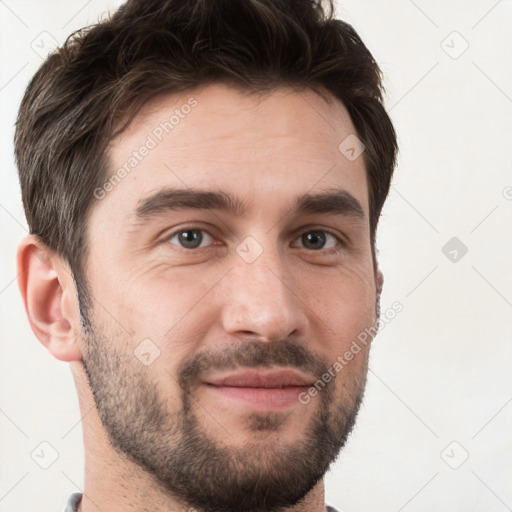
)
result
[(262, 390)]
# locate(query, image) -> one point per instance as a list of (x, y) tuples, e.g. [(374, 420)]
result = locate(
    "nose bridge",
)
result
[(261, 299)]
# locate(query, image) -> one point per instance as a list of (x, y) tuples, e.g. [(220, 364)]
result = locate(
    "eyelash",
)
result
[(310, 230)]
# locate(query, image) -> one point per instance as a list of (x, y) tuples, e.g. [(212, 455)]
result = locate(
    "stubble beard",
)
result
[(175, 449)]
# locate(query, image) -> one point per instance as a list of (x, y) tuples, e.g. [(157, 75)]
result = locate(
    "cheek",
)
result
[(344, 300), (173, 311), (152, 296), (349, 329), (346, 317)]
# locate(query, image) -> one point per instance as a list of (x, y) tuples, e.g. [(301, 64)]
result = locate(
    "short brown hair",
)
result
[(88, 90)]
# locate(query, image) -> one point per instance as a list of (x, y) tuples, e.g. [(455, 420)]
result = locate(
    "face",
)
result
[(230, 269)]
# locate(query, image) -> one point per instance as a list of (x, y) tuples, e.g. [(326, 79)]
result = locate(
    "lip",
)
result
[(262, 379), (262, 390)]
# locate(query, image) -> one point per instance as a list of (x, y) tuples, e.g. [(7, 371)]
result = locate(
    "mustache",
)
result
[(252, 354)]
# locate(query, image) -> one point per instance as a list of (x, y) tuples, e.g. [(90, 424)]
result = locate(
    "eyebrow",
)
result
[(333, 201)]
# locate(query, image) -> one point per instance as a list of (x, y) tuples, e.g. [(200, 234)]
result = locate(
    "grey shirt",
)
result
[(73, 501), (75, 498)]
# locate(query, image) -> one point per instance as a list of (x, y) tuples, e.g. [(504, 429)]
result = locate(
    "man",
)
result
[(203, 182)]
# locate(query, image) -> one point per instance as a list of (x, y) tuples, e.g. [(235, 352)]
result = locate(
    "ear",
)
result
[(49, 295), (379, 282)]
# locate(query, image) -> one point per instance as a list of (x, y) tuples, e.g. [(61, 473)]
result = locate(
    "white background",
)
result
[(439, 387)]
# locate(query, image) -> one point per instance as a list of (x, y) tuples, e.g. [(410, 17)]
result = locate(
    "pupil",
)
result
[(191, 239), (314, 239)]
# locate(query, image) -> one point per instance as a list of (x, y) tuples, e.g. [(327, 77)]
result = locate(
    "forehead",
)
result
[(221, 138)]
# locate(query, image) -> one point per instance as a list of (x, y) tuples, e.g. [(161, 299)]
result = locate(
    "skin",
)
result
[(266, 151)]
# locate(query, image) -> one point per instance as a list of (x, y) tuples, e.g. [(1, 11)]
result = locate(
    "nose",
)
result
[(262, 301)]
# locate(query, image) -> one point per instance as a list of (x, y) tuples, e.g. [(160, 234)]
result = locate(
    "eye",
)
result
[(191, 238), (318, 239)]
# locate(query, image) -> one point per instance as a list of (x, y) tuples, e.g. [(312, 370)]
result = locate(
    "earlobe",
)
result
[(47, 290)]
